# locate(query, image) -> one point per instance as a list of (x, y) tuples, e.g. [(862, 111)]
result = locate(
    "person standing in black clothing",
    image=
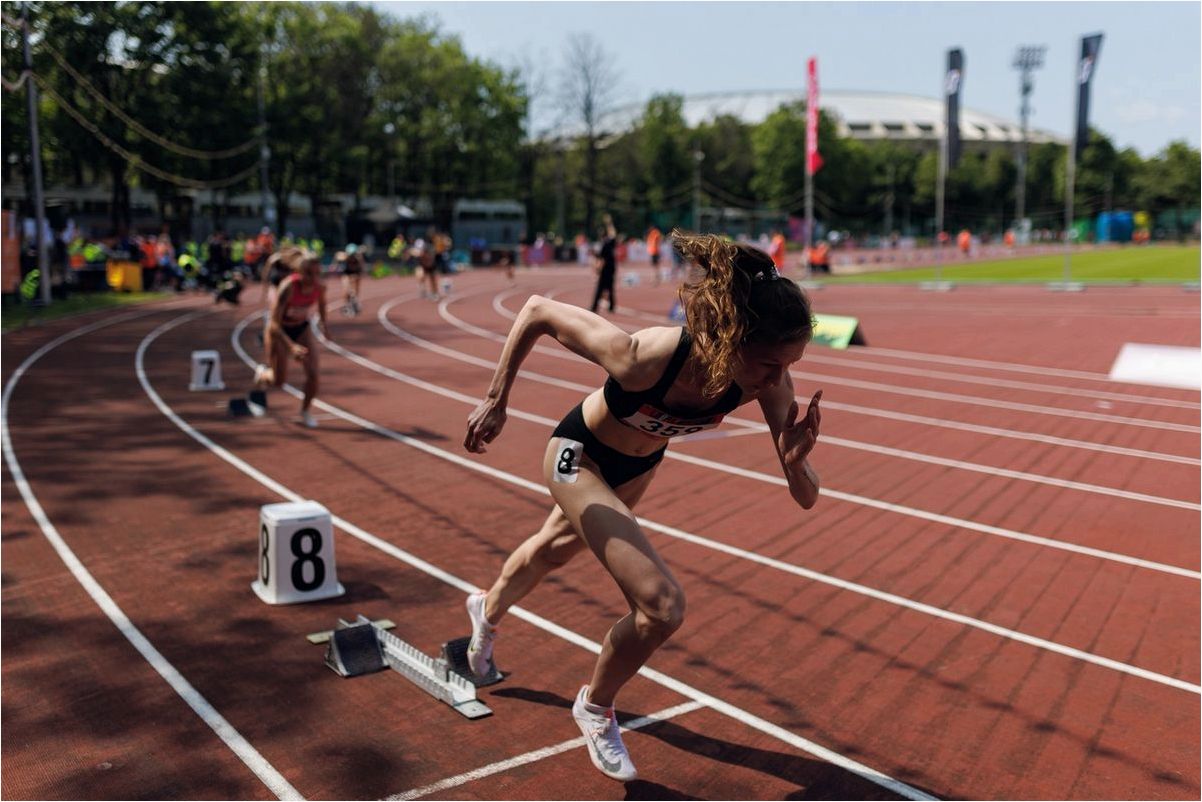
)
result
[(607, 263), (218, 262)]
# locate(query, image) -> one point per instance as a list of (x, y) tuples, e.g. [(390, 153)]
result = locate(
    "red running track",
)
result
[(997, 596)]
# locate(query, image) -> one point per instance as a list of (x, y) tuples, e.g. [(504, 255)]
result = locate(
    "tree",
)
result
[(778, 147), (459, 122), (160, 82), (531, 81), (666, 151), (729, 158), (893, 168), (587, 86), (1168, 184)]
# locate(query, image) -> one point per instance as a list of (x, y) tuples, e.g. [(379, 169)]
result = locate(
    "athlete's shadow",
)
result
[(814, 779)]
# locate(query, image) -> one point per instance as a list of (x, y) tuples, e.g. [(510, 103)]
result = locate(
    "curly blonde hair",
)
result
[(735, 298)]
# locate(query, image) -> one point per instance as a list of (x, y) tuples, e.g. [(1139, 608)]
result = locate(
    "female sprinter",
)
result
[(746, 326), (289, 333), (276, 267)]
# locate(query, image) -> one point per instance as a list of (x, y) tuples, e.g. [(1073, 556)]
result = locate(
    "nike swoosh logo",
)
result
[(613, 766)]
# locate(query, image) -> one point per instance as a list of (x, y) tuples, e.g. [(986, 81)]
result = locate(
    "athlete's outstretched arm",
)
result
[(794, 439), (583, 332)]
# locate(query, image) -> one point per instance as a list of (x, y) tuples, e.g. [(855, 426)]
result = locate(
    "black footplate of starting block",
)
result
[(455, 653), (365, 646), (354, 650), (255, 404)]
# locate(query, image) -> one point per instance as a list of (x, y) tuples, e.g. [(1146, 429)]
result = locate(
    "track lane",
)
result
[(402, 394), (735, 616), (869, 472), (668, 682), (1070, 726), (104, 707)]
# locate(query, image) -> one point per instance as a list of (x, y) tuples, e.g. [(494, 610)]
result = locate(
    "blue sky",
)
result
[(1146, 90)]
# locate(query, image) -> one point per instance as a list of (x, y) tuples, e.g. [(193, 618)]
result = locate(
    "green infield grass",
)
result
[(17, 315), (1155, 264)]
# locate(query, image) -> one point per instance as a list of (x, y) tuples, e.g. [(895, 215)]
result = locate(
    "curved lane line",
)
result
[(974, 400), (975, 428), (961, 523), (262, 769), (780, 565), (872, 448), (713, 702), (858, 363)]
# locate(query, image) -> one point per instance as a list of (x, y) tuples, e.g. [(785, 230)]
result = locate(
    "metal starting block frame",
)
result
[(365, 646)]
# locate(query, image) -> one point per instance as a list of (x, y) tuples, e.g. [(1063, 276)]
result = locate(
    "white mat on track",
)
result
[(1161, 365)]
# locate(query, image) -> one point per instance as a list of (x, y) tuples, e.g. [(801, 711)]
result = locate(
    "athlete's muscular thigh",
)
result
[(560, 540), (605, 522), (309, 342)]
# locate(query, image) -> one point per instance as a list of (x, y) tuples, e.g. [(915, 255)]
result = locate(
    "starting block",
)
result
[(365, 646), (454, 652), (318, 638), (254, 404)]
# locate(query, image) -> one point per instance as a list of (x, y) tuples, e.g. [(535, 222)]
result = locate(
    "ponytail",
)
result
[(736, 297)]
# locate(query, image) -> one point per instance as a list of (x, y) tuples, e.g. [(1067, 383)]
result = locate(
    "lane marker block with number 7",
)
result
[(296, 554), (206, 371)]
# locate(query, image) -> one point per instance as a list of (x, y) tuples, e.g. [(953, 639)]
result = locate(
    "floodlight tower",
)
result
[(1028, 59)]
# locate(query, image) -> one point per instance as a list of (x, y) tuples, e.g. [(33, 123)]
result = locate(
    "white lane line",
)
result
[(740, 715), (1035, 409), (871, 351), (538, 754), (885, 388), (254, 761), (995, 382), (990, 470), (960, 523), (995, 431), (797, 570), (755, 475), (1013, 434), (951, 360), (873, 448)]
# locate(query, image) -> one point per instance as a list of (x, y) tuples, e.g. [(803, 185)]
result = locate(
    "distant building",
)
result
[(869, 116)]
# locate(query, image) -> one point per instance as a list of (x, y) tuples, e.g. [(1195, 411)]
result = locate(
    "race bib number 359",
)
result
[(567, 460), (653, 421)]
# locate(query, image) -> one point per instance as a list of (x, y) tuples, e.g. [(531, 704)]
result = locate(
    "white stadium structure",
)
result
[(873, 116)]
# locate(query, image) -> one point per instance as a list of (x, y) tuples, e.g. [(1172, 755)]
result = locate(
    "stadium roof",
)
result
[(859, 115)]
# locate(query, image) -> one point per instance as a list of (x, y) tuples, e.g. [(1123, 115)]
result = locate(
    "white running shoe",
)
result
[(308, 420), (479, 650), (603, 739)]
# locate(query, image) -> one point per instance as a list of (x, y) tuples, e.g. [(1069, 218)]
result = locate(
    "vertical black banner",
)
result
[(1090, 47), (951, 91)]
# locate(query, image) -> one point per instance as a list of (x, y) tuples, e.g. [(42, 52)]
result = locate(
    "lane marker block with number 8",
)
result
[(296, 554)]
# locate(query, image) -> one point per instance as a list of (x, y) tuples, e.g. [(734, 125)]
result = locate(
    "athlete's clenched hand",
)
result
[(798, 437), (483, 425)]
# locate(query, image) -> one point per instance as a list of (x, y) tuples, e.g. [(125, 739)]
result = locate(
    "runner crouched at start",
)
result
[(745, 326), (289, 333)]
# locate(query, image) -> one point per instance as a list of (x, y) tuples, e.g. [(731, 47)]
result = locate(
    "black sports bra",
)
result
[(645, 410)]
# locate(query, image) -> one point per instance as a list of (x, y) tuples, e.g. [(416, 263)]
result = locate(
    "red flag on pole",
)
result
[(813, 159)]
